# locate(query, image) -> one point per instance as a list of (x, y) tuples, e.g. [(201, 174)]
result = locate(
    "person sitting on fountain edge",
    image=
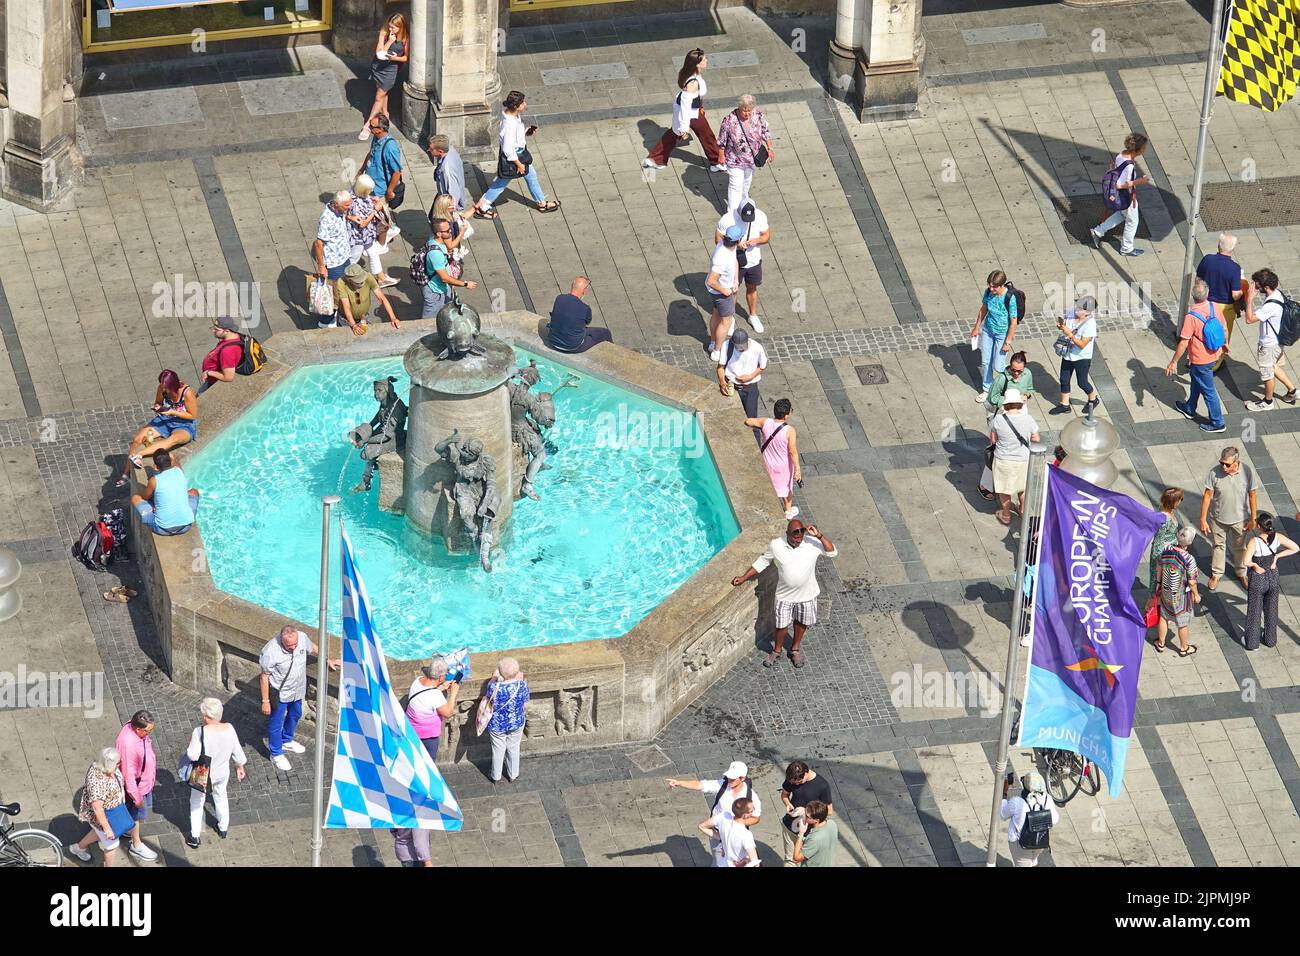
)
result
[(383, 434), (569, 329)]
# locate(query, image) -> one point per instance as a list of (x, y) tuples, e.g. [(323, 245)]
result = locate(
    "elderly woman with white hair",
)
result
[(1012, 432), (1175, 586), (746, 144), (508, 693), (1075, 346), (103, 806), (213, 745), (431, 700), (1033, 798), (364, 224)]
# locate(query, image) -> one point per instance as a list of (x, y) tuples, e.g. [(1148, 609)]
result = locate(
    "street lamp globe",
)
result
[(11, 569), (1089, 443)]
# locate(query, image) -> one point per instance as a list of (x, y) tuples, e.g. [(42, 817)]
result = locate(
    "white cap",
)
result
[(1012, 396), (737, 771)]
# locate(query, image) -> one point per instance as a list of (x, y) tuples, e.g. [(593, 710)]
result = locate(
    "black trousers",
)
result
[(750, 402), (1261, 604)]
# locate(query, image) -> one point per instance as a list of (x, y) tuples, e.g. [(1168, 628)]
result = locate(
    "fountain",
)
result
[(611, 587)]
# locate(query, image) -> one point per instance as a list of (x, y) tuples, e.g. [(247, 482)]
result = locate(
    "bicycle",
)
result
[(29, 847), (1067, 773)]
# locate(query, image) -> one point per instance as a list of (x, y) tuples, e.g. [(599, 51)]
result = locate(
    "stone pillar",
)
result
[(890, 75), (850, 18), (456, 44), (38, 156), (356, 25)]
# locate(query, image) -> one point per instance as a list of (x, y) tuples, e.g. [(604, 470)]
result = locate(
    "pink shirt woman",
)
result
[(780, 453)]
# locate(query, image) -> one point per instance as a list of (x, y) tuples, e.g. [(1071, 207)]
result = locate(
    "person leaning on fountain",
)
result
[(383, 434), (476, 489)]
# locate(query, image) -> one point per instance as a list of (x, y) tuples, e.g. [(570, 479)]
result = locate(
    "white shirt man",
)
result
[(734, 839), (757, 234), (1264, 304), (795, 557)]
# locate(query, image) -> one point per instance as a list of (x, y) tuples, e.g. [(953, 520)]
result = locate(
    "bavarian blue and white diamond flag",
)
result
[(383, 776)]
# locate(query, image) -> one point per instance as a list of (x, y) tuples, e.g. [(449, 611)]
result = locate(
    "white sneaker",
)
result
[(294, 747), (792, 513), (79, 853), (718, 168), (714, 356), (1026, 641), (281, 762), (331, 324), (1260, 406), (755, 324), (979, 399), (649, 163), (144, 852)]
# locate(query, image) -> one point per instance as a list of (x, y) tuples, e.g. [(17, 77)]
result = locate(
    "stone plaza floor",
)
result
[(882, 235)]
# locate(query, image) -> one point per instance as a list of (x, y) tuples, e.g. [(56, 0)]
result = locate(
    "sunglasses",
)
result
[(797, 533)]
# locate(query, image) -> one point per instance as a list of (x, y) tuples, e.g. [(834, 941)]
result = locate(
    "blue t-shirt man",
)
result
[(436, 258), (1222, 274), (384, 159), (167, 507), (998, 319), (570, 317)]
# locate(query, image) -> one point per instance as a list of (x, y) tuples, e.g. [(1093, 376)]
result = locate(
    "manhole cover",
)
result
[(1080, 213), (649, 758), (871, 374), (1266, 202)]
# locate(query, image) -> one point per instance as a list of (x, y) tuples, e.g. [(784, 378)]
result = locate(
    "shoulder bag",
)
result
[(120, 818), (988, 452), (1063, 345), (485, 709), (197, 772), (768, 440)]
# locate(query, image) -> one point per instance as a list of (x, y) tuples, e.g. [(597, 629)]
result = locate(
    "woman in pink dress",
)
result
[(780, 454)]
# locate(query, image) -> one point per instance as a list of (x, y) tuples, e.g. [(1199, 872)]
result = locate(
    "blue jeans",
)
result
[(282, 724), (992, 358), (1203, 385), (499, 186)]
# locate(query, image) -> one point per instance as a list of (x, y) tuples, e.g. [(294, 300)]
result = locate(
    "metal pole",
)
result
[(1028, 516), (322, 683), (1213, 65)]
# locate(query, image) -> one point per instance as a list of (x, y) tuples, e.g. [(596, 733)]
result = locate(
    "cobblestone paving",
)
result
[(878, 253)]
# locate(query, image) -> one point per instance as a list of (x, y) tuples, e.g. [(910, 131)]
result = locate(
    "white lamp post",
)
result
[(1089, 443), (11, 569)]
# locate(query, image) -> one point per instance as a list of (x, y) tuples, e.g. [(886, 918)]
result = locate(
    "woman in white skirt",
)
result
[(220, 742), (1012, 432)]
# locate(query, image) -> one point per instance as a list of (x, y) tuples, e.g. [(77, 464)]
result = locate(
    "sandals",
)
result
[(549, 206), (115, 597), (1191, 649), (484, 213), (986, 494), (770, 659), (797, 658), (1160, 647)]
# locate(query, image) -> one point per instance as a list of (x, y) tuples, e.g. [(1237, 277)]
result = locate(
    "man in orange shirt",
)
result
[(1201, 360)]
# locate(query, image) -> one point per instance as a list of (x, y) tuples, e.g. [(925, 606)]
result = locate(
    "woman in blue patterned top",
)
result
[(508, 692), (995, 328)]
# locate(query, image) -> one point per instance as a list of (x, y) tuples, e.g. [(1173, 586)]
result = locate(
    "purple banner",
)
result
[(1088, 631)]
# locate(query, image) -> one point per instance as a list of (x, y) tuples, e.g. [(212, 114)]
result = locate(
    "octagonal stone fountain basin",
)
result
[(632, 506), (613, 592)]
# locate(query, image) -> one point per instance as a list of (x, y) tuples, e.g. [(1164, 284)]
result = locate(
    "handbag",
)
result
[(399, 195), (506, 168), (320, 297), (485, 710), (1153, 611), (1062, 345), (200, 770), (768, 441), (120, 819), (760, 158)]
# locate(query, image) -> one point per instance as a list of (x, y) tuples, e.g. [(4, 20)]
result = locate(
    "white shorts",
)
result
[(105, 844)]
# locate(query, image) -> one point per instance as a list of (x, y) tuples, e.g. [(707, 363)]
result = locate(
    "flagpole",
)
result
[(322, 683), (1035, 481), (1213, 66)]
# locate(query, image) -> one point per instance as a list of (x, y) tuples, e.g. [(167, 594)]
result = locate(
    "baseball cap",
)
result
[(227, 323), (747, 212), (736, 771), (740, 340), (735, 233)]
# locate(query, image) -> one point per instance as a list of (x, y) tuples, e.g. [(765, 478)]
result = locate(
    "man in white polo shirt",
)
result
[(723, 282), (740, 366), (749, 255), (795, 557)]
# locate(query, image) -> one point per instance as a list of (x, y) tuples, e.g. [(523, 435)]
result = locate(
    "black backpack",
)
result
[(418, 272), (1036, 833), (101, 541), (1019, 296), (1288, 330)]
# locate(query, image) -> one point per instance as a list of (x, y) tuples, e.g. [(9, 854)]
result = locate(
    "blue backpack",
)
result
[(1112, 196), (1212, 332)]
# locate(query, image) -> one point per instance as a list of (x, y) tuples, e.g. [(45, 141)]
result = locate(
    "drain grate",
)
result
[(871, 374), (1265, 202), (649, 758)]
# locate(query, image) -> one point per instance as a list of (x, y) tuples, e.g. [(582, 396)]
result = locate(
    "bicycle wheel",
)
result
[(1090, 781), (31, 848), (1064, 771)]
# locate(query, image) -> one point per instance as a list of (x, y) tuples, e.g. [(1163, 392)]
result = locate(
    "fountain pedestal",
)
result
[(468, 394)]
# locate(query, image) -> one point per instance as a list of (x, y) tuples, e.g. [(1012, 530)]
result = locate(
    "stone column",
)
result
[(38, 156), (890, 73), (356, 24), (456, 42), (850, 18)]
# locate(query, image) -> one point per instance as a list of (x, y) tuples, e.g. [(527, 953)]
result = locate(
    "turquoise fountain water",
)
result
[(631, 507)]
